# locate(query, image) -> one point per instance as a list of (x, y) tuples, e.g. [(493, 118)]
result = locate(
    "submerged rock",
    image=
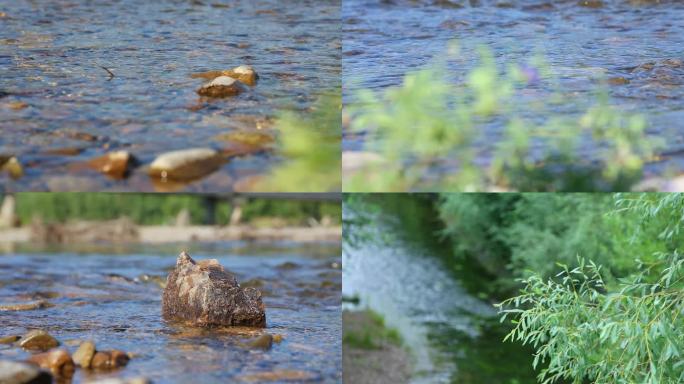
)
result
[(244, 73), (114, 164), (187, 164), (21, 373), (12, 166), (204, 294), (222, 86), (9, 339), (264, 341), (84, 354), (38, 340), (27, 306), (109, 359), (57, 361)]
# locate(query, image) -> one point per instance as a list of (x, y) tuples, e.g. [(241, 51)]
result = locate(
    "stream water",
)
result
[(112, 296), (383, 40), (404, 274), (51, 59)]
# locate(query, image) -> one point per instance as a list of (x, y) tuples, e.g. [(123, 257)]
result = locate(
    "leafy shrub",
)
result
[(311, 146), (581, 332), (586, 330), (428, 123)]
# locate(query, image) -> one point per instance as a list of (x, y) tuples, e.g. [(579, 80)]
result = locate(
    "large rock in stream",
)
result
[(203, 294)]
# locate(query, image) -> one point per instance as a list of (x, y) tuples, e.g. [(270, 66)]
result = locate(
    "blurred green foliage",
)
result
[(509, 235), (156, 209), (311, 145), (429, 124)]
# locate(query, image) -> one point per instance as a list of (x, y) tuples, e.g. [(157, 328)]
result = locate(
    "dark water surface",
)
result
[(51, 54), (454, 336), (105, 297), (383, 40)]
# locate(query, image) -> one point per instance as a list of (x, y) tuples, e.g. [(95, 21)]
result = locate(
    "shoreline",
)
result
[(161, 234)]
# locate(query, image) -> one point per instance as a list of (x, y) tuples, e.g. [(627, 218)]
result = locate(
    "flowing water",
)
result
[(52, 54), (112, 296), (383, 40), (454, 336)]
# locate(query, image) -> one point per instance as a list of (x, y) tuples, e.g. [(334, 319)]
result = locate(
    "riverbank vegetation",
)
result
[(424, 135), (157, 209), (591, 284), (601, 279)]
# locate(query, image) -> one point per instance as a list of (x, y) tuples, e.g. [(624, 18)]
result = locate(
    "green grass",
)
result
[(374, 335)]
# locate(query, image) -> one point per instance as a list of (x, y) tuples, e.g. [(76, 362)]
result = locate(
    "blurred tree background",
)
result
[(159, 209)]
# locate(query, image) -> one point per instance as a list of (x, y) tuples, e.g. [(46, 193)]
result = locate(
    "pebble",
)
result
[(57, 361), (187, 164), (84, 354), (264, 341), (114, 164), (12, 166), (12, 372), (222, 86), (244, 73), (26, 307), (103, 360), (38, 340), (9, 339)]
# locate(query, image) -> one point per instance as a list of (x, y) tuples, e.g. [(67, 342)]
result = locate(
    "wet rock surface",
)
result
[(38, 340), (222, 86), (57, 361), (186, 164), (12, 372), (203, 293)]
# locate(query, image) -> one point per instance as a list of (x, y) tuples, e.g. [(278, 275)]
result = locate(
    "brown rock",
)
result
[(185, 165), (222, 86), (103, 360), (13, 167), (26, 307), (12, 372), (84, 354), (9, 339), (38, 340), (244, 73), (264, 341), (204, 294), (57, 361), (115, 164)]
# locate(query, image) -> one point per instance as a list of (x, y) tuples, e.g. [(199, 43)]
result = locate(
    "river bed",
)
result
[(114, 298), (60, 107)]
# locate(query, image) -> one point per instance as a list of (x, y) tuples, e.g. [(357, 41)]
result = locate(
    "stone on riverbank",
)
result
[(38, 340), (204, 294), (222, 86), (187, 164), (57, 361), (21, 373)]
